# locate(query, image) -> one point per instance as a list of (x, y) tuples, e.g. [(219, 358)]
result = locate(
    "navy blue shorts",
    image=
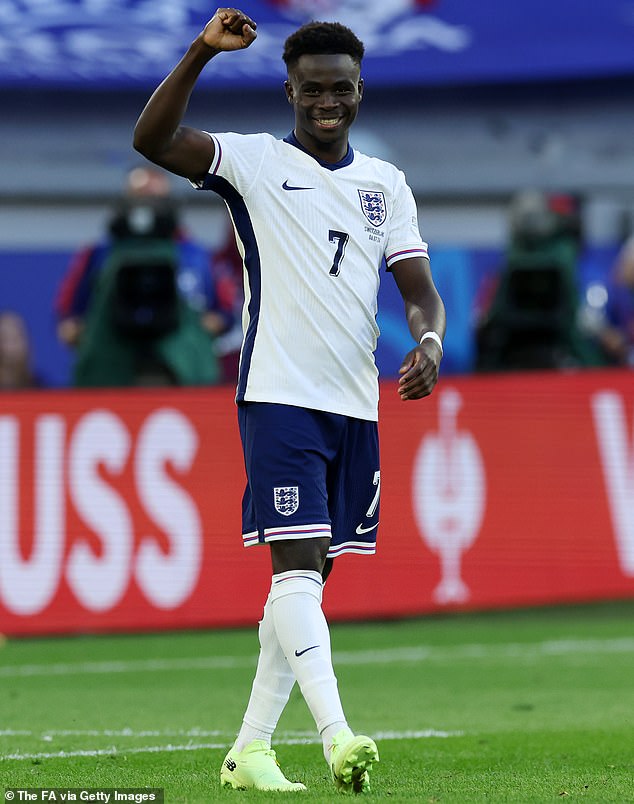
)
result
[(310, 474)]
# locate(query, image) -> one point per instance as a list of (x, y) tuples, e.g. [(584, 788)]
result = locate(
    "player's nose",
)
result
[(328, 100)]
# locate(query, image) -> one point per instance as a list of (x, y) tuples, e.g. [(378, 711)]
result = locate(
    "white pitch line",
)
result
[(130, 666), (424, 734), (403, 655), (113, 751), (48, 734)]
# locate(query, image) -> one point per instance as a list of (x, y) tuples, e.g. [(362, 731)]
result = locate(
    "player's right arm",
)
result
[(158, 133)]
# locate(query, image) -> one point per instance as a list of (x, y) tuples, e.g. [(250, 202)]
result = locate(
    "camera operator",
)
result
[(141, 307)]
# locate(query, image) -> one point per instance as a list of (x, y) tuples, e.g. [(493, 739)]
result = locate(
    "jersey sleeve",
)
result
[(237, 159), (404, 238)]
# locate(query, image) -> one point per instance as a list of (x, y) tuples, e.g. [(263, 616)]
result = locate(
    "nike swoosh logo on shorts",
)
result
[(361, 530), (287, 186), (301, 652)]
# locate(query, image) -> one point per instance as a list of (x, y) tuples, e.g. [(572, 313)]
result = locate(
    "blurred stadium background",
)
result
[(475, 106), (477, 103)]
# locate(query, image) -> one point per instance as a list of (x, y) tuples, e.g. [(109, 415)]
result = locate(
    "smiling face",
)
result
[(325, 91)]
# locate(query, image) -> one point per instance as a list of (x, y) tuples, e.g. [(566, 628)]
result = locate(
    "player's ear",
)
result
[(360, 88), (288, 88)]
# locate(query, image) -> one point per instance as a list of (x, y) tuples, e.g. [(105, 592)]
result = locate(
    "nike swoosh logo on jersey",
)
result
[(301, 652), (287, 186), (361, 530)]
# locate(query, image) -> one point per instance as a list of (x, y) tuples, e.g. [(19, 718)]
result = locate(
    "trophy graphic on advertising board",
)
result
[(449, 493)]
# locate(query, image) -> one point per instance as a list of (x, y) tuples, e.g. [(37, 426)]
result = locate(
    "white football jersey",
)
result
[(313, 237)]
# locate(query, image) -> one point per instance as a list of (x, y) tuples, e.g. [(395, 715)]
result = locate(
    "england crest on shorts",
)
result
[(373, 206), (286, 499)]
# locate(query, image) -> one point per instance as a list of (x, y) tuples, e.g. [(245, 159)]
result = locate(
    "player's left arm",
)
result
[(425, 313)]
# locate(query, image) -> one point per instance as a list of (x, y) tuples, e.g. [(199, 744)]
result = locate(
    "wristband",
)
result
[(434, 336)]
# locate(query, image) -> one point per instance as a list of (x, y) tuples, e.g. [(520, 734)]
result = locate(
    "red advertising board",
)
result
[(120, 510)]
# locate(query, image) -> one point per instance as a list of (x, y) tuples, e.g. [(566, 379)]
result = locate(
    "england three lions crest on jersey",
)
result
[(286, 499), (373, 206)]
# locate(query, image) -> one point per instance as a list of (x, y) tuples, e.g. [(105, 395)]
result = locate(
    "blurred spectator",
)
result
[(616, 333), (15, 354), (531, 316), (142, 306)]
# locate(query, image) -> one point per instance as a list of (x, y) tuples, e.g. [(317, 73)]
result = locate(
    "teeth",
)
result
[(330, 122)]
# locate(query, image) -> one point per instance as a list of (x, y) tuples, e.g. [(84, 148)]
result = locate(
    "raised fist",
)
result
[(229, 29)]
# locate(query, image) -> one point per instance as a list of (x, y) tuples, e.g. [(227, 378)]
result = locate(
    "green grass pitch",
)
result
[(527, 706)]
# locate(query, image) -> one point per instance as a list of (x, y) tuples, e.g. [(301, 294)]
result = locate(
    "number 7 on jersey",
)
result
[(340, 238)]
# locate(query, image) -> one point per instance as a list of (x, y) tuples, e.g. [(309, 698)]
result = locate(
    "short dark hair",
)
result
[(317, 38)]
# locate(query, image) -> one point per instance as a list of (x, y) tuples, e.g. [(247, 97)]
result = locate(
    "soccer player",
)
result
[(314, 220)]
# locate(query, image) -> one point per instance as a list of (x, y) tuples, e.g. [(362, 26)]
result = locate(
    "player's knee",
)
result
[(296, 554)]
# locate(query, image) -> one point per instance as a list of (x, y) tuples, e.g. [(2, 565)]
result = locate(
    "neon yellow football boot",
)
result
[(257, 768), (351, 761)]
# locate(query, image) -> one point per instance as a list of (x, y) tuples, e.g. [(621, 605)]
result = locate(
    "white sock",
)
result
[(327, 736), (304, 636), (271, 688)]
